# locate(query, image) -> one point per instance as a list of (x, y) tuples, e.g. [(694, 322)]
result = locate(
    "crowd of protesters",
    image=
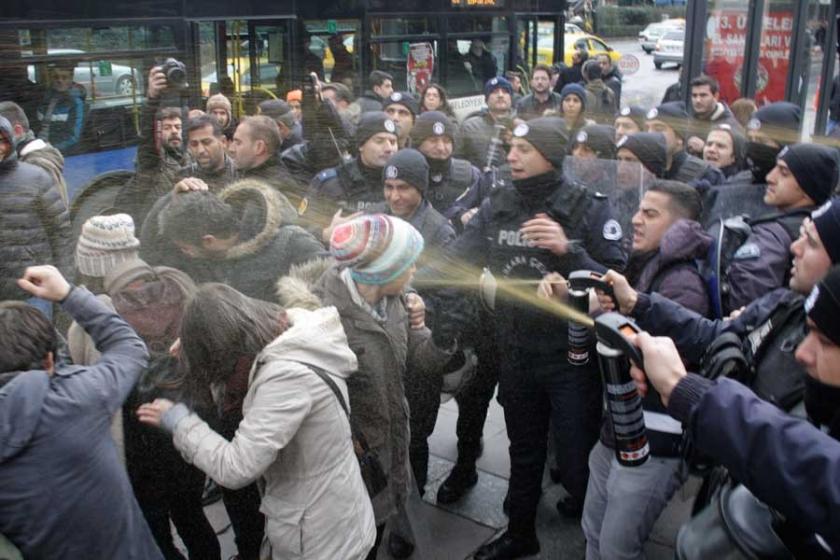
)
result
[(275, 303)]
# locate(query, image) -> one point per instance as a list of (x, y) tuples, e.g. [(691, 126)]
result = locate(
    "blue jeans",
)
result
[(623, 503)]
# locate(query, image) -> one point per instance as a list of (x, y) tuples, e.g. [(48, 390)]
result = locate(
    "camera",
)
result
[(176, 74)]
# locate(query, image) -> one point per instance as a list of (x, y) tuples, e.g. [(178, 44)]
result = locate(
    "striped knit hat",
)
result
[(105, 242), (377, 248)]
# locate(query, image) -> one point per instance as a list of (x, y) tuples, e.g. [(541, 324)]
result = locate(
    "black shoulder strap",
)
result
[(358, 436), (331, 384)]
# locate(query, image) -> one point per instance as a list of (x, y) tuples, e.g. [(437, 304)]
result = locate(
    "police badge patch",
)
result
[(391, 172), (396, 96), (612, 230), (438, 128), (390, 126), (625, 111), (582, 137), (747, 251), (812, 299), (653, 113), (520, 130)]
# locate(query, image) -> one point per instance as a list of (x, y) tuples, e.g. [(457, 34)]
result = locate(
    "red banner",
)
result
[(726, 35)]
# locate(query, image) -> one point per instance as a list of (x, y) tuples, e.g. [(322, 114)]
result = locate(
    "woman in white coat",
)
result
[(295, 436)]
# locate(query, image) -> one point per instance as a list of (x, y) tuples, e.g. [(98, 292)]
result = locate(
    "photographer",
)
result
[(789, 463), (160, 153)]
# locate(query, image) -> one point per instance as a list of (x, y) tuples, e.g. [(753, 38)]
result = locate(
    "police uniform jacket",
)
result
[(351, 186), (770, 328), (493, 239), (762, 263), (788, 463), (450, 191)]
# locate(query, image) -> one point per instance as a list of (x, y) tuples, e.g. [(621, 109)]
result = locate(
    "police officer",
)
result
[(671, 119), (541, 223), (356, 184), (804, 177), (402, 108), (454, 183), (771, 128), (765, 333)]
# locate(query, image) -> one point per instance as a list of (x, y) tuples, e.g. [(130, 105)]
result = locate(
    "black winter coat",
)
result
[(34, 225)]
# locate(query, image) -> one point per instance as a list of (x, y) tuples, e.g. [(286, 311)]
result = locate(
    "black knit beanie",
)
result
[(823, 305), (374, 122), (600, 138), (548, 135), (827, 222), (429, 124), (815, 168), (649, 147), (410, 166)]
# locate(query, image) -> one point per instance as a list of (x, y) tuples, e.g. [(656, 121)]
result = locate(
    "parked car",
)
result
[(103, 77), (669, 49), (652, 33)]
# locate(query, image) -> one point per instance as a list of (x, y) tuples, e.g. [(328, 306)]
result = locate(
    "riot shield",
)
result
[(622, 182)]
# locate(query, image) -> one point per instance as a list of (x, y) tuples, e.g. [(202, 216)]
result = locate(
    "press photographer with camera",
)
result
[(160, 153)]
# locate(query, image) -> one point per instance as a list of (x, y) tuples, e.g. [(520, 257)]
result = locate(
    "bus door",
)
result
[(247, 61)]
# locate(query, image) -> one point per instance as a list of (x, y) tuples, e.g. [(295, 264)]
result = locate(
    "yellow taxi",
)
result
[(594, 44)]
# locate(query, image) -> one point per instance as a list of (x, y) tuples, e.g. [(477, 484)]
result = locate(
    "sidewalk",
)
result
[(456, 531)]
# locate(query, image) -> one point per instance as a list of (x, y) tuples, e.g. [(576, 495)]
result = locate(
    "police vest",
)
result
[(444, 190), (359, 193), (691, 169)]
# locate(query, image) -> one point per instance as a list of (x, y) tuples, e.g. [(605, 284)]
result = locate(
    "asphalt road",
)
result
[(647, 86)]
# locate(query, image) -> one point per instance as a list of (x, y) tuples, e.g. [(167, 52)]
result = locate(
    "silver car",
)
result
[(109, 79), (652, 33), (669, 49)]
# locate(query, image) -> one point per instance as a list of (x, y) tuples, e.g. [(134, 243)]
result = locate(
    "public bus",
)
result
[(248, 50)]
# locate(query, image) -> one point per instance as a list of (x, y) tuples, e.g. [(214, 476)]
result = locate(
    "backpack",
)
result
[(729, 235)]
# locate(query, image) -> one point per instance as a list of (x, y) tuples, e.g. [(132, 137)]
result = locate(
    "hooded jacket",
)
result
[(61, 115), (295, 437), (44, 155), (268, 243), (385, 350), (34, 222), (477, 131), (671, 272), (63, 491)]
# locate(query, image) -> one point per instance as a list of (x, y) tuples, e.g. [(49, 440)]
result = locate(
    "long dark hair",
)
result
[(220, 327), (444, 100)]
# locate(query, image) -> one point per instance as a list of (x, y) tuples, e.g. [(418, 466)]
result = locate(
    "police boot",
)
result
[(398, 547), (462, 478), (508, 547), (570, 507)]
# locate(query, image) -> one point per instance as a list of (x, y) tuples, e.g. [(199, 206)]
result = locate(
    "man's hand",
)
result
[(736, 313), (545, 233), (151, 413), (157, 83), (663, 366), (190, 184), (695, 145), (175, 349), (624, 294), (45, 282), (336, 221), (553, 285), (416, 308), (468, 215)]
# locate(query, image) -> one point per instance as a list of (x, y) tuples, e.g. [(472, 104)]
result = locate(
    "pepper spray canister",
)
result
[(624, 406), (579, 335)]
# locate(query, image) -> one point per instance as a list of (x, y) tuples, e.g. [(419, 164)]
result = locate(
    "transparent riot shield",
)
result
[(622, 182)]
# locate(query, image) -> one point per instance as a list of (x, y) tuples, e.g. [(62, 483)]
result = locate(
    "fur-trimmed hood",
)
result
[(262, 211), (295, 289)]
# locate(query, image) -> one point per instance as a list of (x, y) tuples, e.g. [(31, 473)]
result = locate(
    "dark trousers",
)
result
[(422, 391), (536, 390), (243, 506), (167, 488), (474, 400)]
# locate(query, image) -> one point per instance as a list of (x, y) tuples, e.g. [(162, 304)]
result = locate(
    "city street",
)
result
[(647, 86)]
